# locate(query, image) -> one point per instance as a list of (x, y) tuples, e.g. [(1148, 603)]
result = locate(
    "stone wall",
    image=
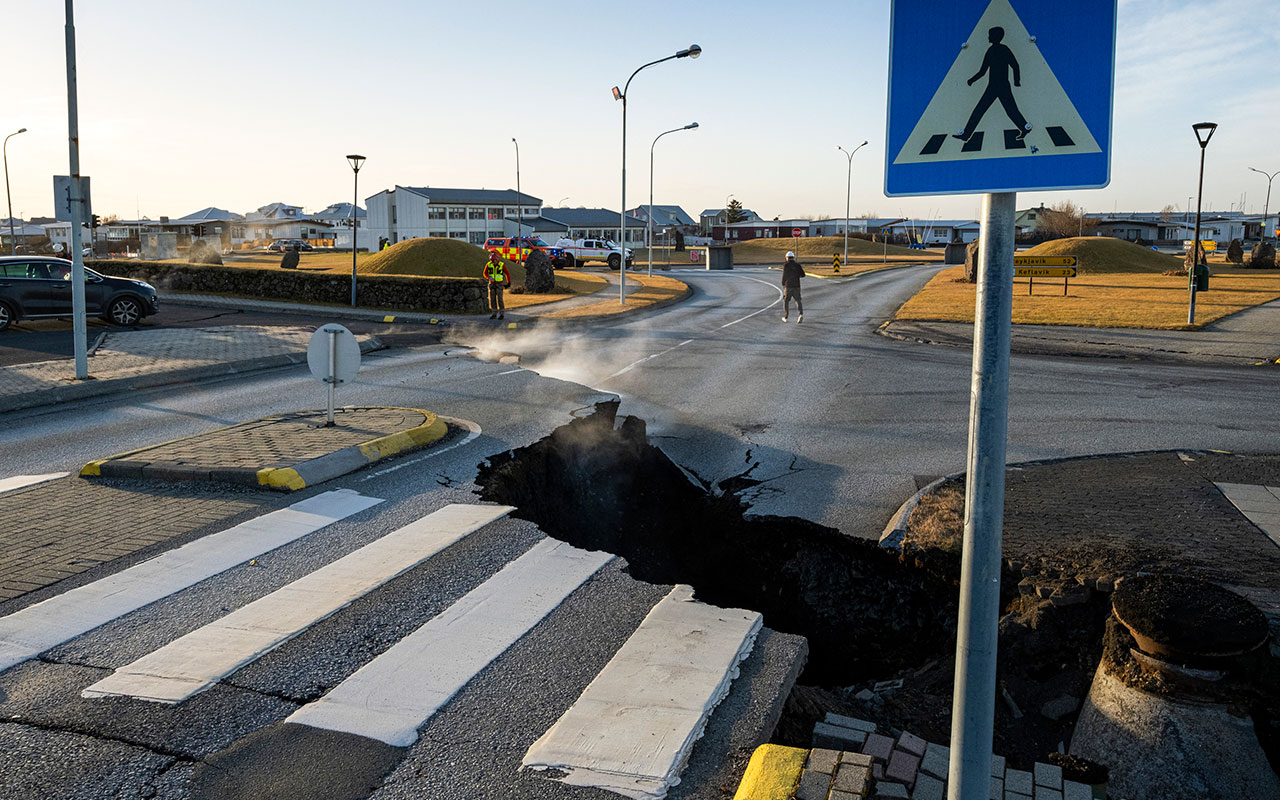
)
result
[(391, 292)]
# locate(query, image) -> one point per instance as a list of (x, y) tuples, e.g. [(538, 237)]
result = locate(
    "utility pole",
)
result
[(79, 327)]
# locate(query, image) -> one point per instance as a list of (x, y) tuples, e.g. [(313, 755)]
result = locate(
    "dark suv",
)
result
[(33, 287)]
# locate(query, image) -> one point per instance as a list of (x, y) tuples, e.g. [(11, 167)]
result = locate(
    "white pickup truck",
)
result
[(580, 251)]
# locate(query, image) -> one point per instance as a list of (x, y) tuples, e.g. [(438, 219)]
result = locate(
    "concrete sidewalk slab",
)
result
[(128, 360), (284, 451), (1249, 338)]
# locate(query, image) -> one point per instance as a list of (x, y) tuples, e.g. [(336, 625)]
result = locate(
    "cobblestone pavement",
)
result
[(276, 442), (131, 357), (61, 528)]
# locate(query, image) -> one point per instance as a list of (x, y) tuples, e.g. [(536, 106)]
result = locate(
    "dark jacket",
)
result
[(792, 273)]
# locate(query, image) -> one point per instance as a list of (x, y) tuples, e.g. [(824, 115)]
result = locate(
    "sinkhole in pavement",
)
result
[(601, 487)]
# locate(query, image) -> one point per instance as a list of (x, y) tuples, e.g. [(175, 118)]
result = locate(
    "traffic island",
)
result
[(285, 452)]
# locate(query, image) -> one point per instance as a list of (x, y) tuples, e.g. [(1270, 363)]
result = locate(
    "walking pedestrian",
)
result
[(996, 65), (495, 272), (792, 272)]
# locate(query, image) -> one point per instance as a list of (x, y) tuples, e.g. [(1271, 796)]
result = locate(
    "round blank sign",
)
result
[(346, 354)]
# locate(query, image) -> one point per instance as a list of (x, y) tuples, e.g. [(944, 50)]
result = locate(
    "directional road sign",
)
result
[(1045, 261), (1044, 272), (999, 96)]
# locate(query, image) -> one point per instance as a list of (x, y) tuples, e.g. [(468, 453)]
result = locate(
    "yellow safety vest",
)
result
[(496, 271)]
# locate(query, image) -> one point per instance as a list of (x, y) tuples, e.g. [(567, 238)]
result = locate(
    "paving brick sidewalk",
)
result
[(61, 528), (135, 359), (275, 450)]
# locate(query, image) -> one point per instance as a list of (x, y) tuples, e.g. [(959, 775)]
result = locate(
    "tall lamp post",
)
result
[(848, 188), (692, 51), (519, 206), (727, 198), (13, 242), (355, 161), (1204, 132), (1266, 208), (649, 235)]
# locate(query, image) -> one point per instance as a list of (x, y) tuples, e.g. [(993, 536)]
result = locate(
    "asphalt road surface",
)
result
[(833, 423)]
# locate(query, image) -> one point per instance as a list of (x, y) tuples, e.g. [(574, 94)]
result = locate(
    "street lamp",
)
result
[(1204, 132), (692, 51), (355, 161), (649, 235), (848, 187), (519, 205), (727, 198), (13, 242), (1266, 208)]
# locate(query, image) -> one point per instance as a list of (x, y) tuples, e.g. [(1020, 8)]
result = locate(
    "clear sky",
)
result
[(243, 103)]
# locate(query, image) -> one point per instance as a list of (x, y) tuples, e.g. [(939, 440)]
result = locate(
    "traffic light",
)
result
[(93, 222)]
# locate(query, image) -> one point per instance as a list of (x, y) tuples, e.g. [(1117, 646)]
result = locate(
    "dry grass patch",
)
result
[(1104, 254), (642, 291), (567, 285), (938, 520), (1132, 300)]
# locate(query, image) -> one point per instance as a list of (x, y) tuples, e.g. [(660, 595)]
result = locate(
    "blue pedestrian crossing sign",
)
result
[(999, 96)]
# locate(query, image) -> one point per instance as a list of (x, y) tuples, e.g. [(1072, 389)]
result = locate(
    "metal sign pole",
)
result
[(79, 327), (333, 373), (972, 719)]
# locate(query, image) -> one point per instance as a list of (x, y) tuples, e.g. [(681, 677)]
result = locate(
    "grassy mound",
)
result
[(441, 258), (815, 246), (1099, 255)]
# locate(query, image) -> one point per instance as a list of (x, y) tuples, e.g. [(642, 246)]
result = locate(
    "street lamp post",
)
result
[(649, 235), (692, 51), (1266, 208), (355, 161), (13, 242), (519, 205), (727, 198), (1204, 132), (848, 188)]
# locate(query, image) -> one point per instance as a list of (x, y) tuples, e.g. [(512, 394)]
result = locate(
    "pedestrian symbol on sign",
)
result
[(997, 64)]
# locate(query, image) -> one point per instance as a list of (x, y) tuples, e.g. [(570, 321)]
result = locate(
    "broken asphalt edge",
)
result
[(773, 773), (895, 531), (81, 390), (290, 479)]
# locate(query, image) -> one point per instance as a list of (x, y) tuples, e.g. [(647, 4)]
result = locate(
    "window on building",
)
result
[(477, 237), (435, 212), (475, 213), (495, 234), (458, 234), (510, 212), (495, 213), (457, 213)]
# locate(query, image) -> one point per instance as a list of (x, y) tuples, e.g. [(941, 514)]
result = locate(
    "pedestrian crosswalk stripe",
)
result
[(28, 632), (633, 728), (391, 696), (200, 659), (1039, 100), (23, 481)]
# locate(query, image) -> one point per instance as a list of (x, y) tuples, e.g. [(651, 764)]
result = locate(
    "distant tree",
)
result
[(734, 212), (1062, 220), (110, 218), (1166, 213)]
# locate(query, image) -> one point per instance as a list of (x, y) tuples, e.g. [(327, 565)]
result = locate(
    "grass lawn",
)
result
[(642, 291), (1105, 300)]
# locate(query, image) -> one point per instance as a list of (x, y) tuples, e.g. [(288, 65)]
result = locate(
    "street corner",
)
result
[(280, 452), (773, 773)]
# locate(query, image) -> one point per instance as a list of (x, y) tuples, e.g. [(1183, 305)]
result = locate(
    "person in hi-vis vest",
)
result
[(495, 272)]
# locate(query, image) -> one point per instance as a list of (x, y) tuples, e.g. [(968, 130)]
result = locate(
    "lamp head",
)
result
[(863, 143), (691, 126), (693, 51), (617, 93), (21, 130), (1204, 132), (355, 161)]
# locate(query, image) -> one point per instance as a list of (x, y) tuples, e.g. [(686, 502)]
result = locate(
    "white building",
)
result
[(472, 215), (835, 227)]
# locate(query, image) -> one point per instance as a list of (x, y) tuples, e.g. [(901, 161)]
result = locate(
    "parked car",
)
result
[(518, 248), (281, 245), (35, 287), (580, 251)]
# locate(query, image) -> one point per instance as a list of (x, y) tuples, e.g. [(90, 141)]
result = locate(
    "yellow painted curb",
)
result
[(93, 469), (432, 429), (281, 478), (772, 774), (389, 318)]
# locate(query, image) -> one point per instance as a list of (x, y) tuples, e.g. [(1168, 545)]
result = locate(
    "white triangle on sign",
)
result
[(1056, 126)]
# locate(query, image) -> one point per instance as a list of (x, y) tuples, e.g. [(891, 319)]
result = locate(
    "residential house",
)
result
[(597, 223), (758, 229), (937, 231), (711, 217), (22, 233), (835, 227), (338, 217), (472, 215), (262, 232)]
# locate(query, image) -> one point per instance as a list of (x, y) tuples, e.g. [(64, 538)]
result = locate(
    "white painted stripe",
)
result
[(26, 633), (22, 481), (761, 311), (391, 696), (194, 662), (633, 728), (473, 431)]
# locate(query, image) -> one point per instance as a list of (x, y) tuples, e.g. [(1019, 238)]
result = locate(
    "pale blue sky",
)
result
[(246, 103)]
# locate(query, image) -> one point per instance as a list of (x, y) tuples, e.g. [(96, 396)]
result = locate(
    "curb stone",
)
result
[(772, 774), (287, 479)]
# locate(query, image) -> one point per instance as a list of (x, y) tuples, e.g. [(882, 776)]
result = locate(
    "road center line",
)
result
[(29, 632), (194, 662), (391, 696), (761, 311)]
